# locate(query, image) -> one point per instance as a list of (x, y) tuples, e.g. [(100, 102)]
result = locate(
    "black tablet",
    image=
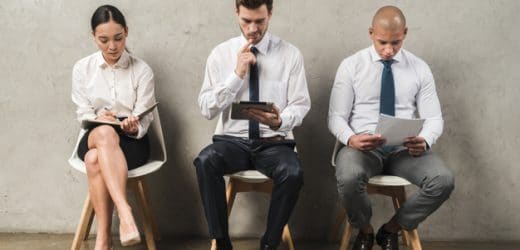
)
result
[(237, 107)]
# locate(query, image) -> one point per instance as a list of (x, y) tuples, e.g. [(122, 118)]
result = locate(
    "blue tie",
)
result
[(254, 129), (387, 101)]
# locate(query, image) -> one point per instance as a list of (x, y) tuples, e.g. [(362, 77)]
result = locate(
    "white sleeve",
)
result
[(341, 103), (429, 108), (84, 110), (217, 94), (298, 100), (145, 99)]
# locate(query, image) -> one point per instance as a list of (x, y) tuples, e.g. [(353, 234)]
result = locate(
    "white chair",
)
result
[(135, 183), (388, 185), (250, 181)]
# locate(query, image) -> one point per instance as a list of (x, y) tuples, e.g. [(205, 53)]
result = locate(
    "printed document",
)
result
[(395, 130)]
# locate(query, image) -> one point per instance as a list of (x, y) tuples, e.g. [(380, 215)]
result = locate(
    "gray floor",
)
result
[(63, 241)]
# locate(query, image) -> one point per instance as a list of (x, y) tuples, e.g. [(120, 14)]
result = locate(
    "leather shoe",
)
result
[(363, 241), (387, 240)]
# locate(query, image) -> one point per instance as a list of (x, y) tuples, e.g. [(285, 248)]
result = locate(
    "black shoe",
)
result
[(387, 240), (363, 241), (224, 244)]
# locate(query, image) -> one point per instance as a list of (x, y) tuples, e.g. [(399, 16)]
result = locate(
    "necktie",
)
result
[(254, 128), (387, 101)]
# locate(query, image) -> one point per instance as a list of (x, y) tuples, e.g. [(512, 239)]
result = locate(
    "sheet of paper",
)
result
[(395, 130)]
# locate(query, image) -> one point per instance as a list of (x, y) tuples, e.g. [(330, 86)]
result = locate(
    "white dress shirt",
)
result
[(126, 88), (354, 101), (281, 81)]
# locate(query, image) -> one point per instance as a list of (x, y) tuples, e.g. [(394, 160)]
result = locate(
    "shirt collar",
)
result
[(123, 62), (375, 56), (263, 45)]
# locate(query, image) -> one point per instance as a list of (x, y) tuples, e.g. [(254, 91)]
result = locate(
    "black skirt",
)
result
[(136, 151)]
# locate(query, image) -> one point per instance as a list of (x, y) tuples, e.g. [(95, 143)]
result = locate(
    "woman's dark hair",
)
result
[(104, 14)]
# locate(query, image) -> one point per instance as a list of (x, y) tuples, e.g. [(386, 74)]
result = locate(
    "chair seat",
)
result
[(250, 176), (388, 180)]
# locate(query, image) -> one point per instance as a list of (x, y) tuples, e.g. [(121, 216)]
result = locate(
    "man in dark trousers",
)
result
[(255, 66)]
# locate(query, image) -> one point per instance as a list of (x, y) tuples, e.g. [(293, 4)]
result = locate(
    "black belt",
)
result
[(272, 138)]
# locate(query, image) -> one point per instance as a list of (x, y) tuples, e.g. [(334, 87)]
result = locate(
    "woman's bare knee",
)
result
[(91, 161), (103, 135)]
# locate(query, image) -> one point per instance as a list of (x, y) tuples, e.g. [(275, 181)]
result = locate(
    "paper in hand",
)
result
[(396, 130)]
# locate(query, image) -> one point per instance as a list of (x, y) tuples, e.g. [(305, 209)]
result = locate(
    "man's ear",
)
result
[(405, 30), (370, 30)]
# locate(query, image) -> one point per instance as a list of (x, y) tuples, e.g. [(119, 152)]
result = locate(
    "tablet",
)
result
[(237, 107)]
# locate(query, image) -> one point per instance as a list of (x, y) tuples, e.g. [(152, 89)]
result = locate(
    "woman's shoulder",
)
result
[(88, 61), (139, 64)]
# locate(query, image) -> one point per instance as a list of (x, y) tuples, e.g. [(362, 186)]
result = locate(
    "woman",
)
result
[(108, 85)]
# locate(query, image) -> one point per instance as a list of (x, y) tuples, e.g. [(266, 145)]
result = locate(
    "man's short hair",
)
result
[(254, 4)]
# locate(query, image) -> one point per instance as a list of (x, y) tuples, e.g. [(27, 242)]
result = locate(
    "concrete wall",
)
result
[(471, 46)]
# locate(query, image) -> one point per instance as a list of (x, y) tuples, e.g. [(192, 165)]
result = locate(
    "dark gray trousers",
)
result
[(428, 172)]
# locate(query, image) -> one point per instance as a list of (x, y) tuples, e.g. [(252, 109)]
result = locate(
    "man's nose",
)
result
[(388, 50), (253, 27)]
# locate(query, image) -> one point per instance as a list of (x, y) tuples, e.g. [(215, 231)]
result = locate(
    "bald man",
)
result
[(385, 79)]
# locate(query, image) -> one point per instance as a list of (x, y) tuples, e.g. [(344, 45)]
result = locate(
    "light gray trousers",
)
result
[(428, 172)]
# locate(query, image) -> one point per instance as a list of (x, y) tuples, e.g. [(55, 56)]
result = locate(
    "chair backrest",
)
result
[(335, 152), (157, 151)]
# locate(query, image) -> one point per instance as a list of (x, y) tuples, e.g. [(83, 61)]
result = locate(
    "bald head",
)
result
[(389, 18), (388, 31)]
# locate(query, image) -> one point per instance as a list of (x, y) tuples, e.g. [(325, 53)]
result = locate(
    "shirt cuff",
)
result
[(428, 140), (89, 116), (140, 132), (345, 136), (285, 126)]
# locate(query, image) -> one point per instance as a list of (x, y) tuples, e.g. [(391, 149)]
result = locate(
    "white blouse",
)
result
[(126, 88)]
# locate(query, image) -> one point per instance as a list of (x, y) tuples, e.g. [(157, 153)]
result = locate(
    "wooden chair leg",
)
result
[(340, 218), (85, 223), (287, 238), (231, 193), (413, 240), (145, 213), (345, 239), (155, 229), (398, 197)]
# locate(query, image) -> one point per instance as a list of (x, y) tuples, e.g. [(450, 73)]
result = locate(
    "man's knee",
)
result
[(440, 186), (208, 159), (289, 172), (351, 182)]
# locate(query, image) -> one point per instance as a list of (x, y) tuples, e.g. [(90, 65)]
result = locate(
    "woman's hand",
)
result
[(130, 125), (107, 115)]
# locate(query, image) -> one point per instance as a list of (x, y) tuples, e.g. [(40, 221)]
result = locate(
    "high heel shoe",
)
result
[(130, 239)]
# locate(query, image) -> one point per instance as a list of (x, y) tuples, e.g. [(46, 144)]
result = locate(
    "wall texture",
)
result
[(471, 46)]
